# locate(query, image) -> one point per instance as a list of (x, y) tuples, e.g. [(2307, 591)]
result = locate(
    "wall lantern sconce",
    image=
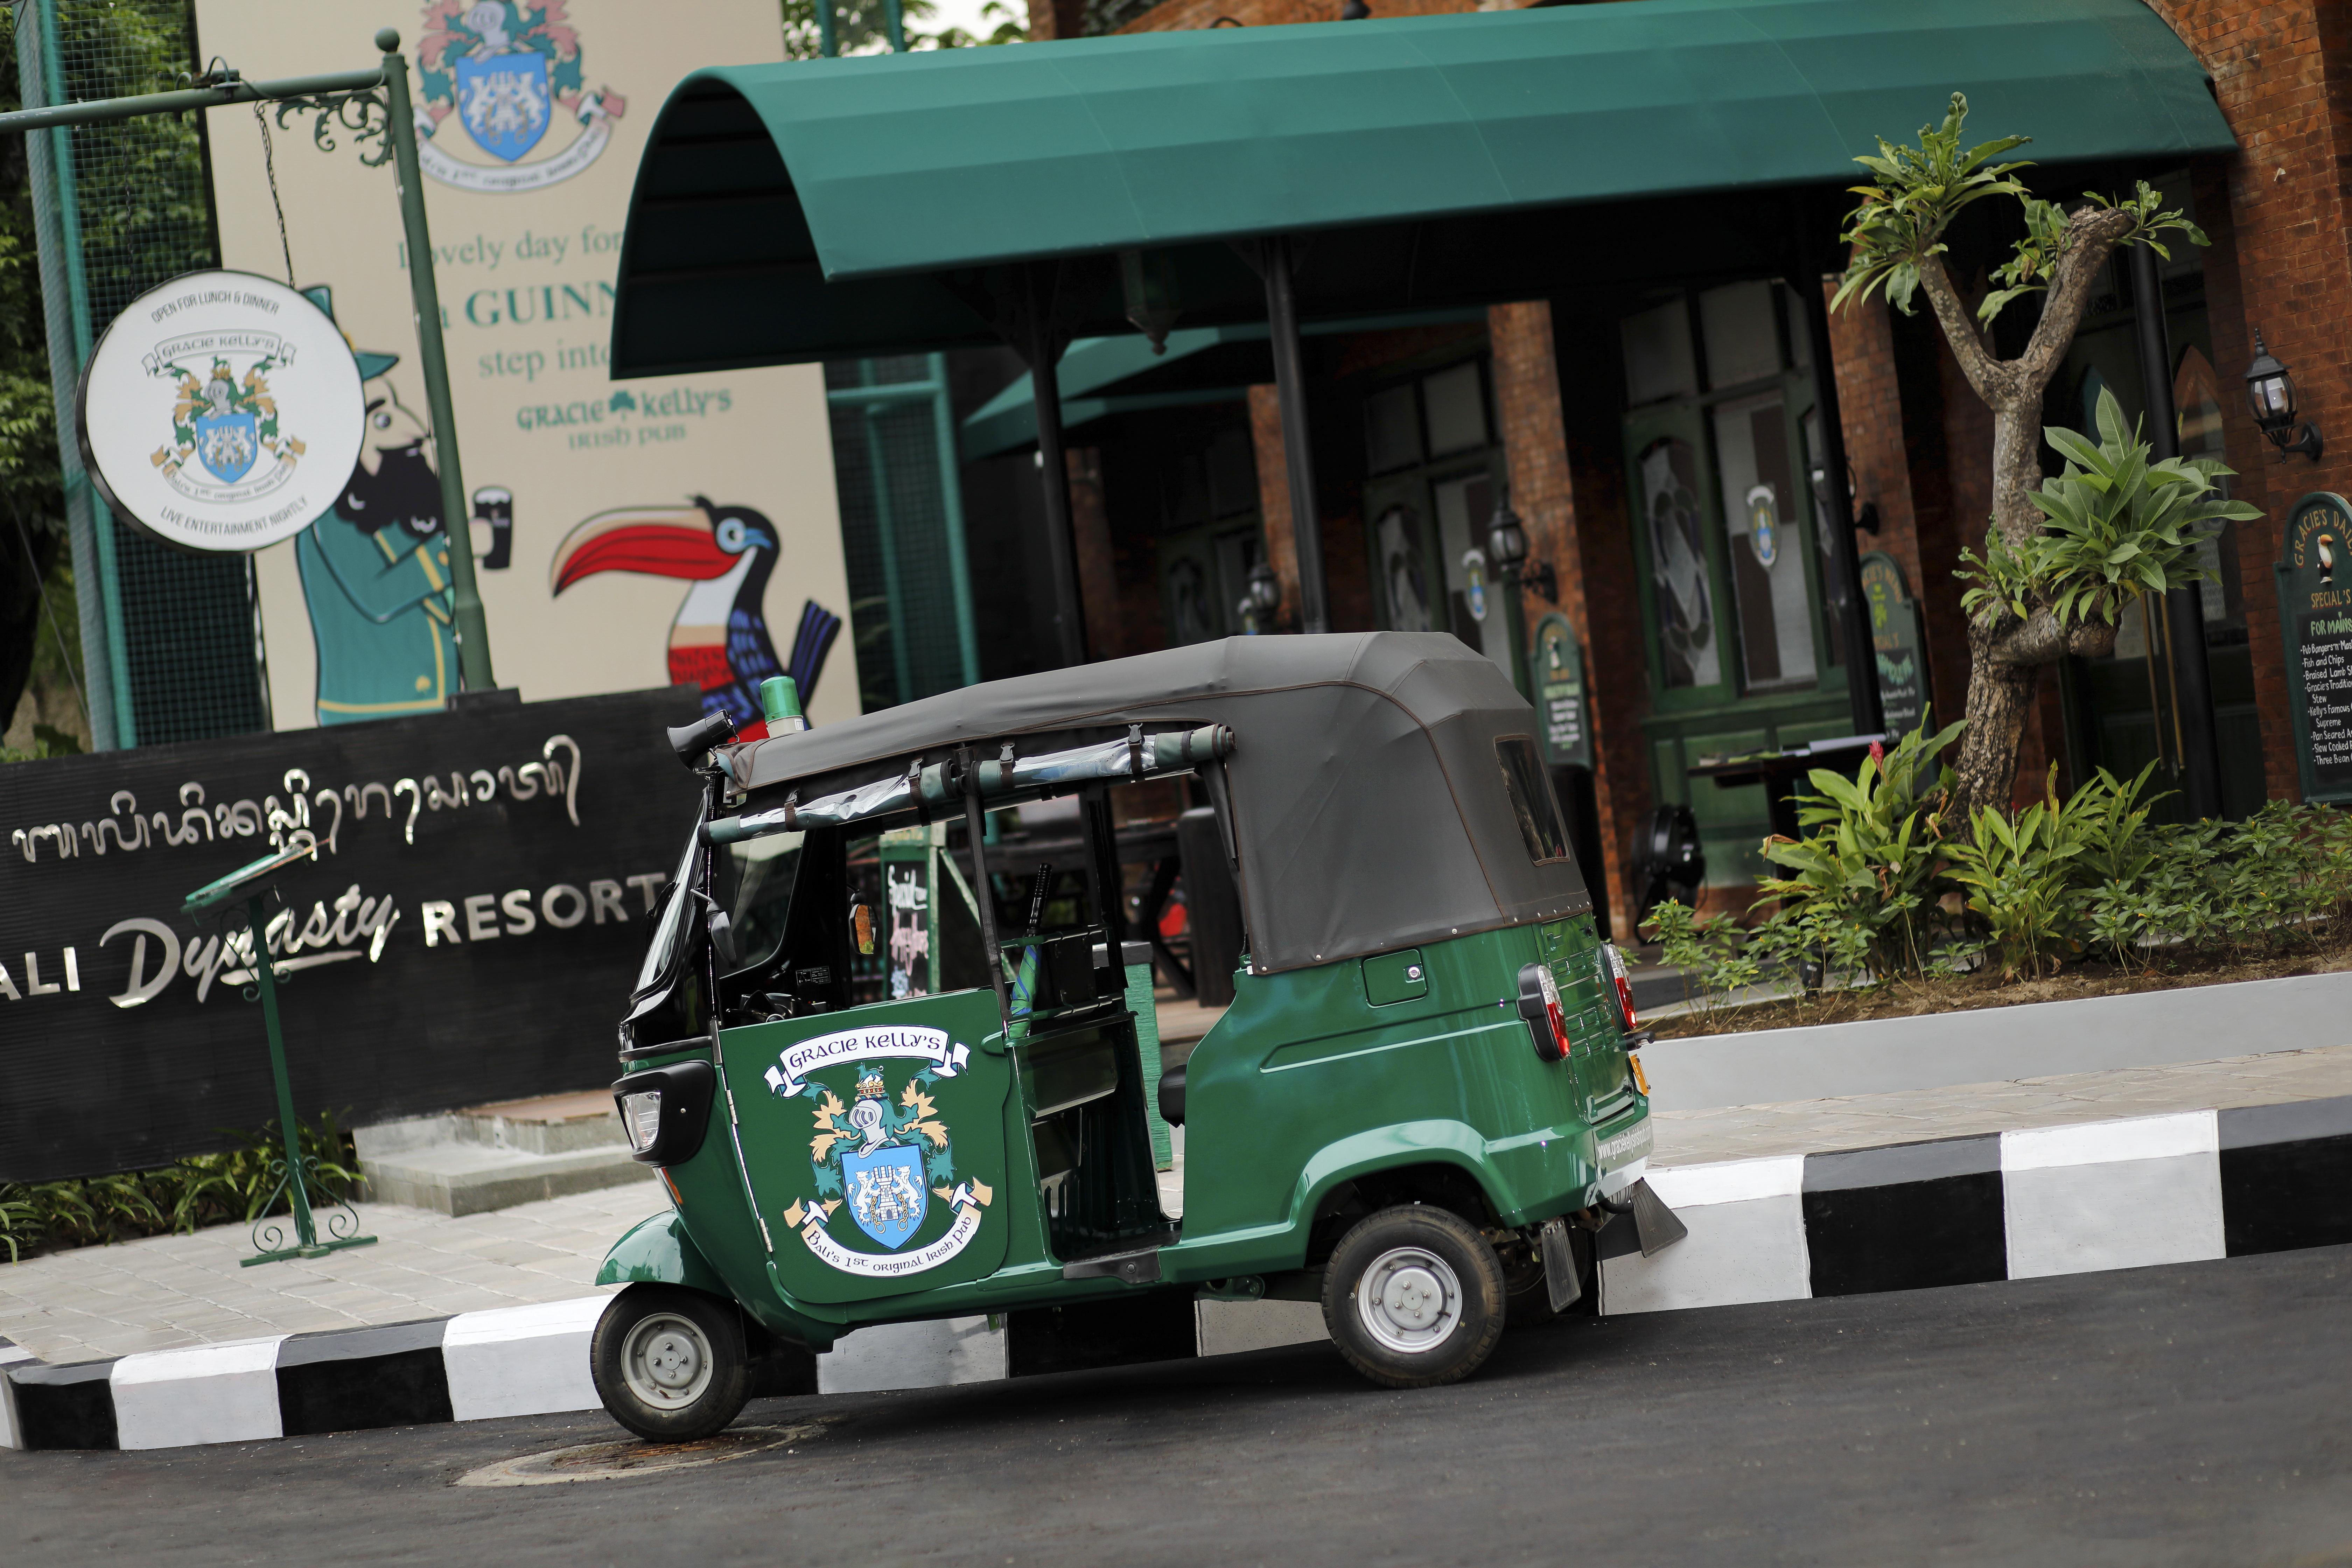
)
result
[(2271, 390), (1507, 550)]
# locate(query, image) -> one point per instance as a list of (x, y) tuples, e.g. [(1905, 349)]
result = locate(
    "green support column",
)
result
[(885, 536), (466, 607), (943, 433), (105, 652)]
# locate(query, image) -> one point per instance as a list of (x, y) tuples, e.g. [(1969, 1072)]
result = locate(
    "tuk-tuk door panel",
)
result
[(874, 1144)]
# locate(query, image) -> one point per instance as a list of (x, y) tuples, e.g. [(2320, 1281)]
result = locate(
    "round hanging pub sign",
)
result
[(221, 412)]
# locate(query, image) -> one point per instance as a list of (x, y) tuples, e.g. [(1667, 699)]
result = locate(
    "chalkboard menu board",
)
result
[(1560, 693), (1902, 655), (2315, 623)]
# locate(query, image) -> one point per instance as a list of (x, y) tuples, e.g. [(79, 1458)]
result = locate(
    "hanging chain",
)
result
[(269, 163)]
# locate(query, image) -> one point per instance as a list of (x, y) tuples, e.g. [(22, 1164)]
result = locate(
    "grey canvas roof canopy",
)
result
[(1368, 801)]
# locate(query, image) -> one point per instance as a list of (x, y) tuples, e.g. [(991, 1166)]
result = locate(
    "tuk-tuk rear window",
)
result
[(1532, 799)]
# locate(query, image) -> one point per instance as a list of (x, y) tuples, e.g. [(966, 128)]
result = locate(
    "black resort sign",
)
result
[(2314, 604), (466, 932)]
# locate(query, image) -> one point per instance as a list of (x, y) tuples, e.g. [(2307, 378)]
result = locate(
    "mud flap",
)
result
[(1655, 1229), (1559, 1266)]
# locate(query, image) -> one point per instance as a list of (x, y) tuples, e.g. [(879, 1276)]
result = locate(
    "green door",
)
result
[(873, 1142)]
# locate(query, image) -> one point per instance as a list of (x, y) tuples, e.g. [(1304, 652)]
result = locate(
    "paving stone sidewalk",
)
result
[(167, 1291), (170, 1291), (1868, 1121)]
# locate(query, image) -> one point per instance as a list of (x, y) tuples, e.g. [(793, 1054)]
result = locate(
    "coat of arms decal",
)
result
[(880, 1157), (508, 73), (225, 443)]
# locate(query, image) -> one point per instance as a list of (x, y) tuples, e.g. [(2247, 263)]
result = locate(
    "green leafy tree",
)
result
[(861, 28), (2039, 599), (39, 644)]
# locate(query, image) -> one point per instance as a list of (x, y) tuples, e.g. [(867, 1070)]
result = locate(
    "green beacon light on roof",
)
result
[(780, 701)]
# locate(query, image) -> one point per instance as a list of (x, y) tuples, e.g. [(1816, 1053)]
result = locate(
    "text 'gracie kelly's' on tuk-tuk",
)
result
[(1420, 1110)]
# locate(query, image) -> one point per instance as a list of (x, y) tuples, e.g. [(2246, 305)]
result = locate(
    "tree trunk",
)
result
[(2001, 694), (2005, 654), (2000, 690)]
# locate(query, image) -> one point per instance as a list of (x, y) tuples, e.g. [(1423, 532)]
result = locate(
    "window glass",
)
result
[(761, 872), (1391, 429), (1464, 507), (1688, 654), (1194, 612), (1767, 572), (1233, 472), (1658, 362), (2196, 398), (1743, 341), (1800, 332), (1817, 480), (1457, 410), (1404, 570), (1532, 801), (669, 926)]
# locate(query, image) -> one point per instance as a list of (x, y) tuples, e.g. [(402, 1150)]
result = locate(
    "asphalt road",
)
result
[(2188, 1415)]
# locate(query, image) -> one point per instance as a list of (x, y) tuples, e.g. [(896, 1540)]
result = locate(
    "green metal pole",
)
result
[(826, 44), (885, 534), (895, 20), (117, 669), (951, 498), (294, 1192), (472, 632)]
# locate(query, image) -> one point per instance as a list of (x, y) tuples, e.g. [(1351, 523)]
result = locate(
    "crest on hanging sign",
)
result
[(501, 80), (221, 411)]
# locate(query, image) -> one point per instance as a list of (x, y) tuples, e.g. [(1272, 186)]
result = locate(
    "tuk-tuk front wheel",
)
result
[(1413, 1297), (669, 1363)]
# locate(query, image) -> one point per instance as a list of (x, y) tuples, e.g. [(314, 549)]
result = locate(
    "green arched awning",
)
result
[(826, 209)]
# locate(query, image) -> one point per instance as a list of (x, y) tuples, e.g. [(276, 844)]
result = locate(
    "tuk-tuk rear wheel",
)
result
[(1413, 1297), (669, 1363)]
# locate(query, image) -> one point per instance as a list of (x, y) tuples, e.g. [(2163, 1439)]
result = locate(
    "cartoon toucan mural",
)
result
[(720, 639)]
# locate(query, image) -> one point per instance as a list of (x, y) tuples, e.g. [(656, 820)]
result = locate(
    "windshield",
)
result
[(669, 927), (760, 873)]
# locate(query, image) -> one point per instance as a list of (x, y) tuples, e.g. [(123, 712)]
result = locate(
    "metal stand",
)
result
[(292, 1181), (296, 1176)]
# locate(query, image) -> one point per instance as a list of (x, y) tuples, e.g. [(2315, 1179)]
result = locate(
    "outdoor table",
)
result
[(1781, 772)]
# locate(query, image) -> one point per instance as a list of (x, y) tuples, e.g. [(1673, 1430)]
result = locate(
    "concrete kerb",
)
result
[(2040, 1039), (2011, 1206)]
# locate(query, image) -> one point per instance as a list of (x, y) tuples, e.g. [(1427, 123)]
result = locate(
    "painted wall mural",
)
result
[(533, 118)]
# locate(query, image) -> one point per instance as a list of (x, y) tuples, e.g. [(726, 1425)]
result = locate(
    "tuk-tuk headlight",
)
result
[(641, 1119), (665, 1111)]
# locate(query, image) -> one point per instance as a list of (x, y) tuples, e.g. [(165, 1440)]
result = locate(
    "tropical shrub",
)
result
[(231, 1188), (1870, 869)]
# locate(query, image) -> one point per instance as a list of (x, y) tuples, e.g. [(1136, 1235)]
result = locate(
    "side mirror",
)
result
[(690, 740)]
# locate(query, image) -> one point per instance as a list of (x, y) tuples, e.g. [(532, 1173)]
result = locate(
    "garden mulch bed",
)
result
[(1909, 999)]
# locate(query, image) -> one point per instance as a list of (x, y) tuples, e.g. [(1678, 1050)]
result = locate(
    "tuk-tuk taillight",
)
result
[(1614, 961), (1539, 1005)]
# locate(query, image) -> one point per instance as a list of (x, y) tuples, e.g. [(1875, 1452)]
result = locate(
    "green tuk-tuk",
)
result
[(1420, 1108)]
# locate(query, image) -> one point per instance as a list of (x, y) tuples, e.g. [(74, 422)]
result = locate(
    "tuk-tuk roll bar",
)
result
[(944, 784)]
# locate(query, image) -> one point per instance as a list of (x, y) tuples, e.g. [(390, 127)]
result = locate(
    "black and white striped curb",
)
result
[(2008, 1205)]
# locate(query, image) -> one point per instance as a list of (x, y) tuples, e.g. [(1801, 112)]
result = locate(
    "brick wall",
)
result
[(1543, 492), (2276, 212), (1274, 499)]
